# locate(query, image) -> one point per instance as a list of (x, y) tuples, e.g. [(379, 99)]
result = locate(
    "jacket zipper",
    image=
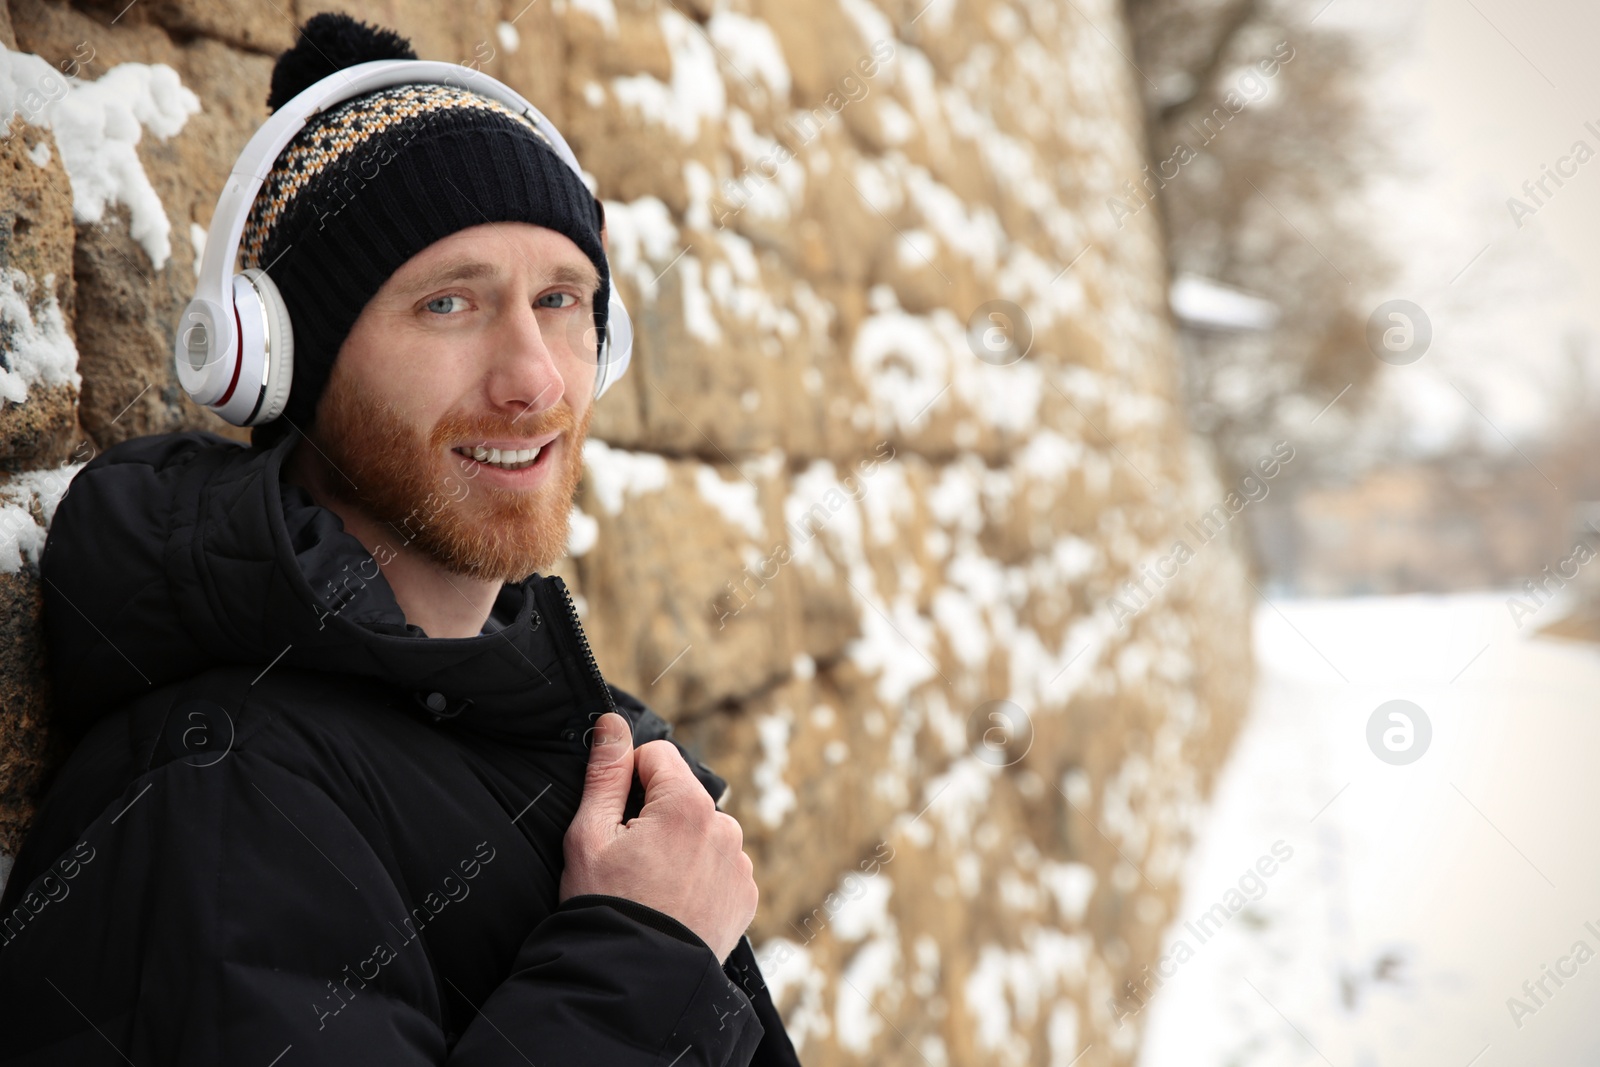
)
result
[(583, 642)]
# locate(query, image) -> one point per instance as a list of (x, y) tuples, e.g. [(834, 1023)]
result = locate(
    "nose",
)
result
[(524, 376)]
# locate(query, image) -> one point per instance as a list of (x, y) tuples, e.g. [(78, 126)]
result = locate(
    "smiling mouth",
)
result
[(503, 460)]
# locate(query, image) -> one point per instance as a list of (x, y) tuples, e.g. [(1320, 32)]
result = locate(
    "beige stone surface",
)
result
[(868, 574), (36, 239)]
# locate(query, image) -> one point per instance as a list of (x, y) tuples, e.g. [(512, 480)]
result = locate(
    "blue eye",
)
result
[(548, 295), (437, 299)]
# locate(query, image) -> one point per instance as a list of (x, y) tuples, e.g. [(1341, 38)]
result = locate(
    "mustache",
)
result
[(456, 429)]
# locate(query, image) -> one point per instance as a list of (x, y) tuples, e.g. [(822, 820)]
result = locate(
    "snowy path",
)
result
[(1418, 897)]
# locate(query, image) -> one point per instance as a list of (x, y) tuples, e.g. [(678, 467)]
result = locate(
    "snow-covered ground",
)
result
[(1419, 898)]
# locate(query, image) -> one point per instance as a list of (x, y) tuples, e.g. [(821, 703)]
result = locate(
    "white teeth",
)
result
[(496, 458)]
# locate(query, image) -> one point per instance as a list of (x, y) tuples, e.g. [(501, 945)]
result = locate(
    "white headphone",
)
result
[(234, 351)]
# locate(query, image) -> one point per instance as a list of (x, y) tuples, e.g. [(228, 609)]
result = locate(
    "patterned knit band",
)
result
[(368, 184)]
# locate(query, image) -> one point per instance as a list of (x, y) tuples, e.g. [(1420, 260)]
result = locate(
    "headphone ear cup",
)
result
[(616, 347), (280, 346)]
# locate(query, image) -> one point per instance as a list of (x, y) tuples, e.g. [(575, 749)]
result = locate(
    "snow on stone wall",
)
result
[(876, 564)]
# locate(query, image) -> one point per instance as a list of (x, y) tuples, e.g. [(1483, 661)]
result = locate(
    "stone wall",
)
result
[(878, 581)]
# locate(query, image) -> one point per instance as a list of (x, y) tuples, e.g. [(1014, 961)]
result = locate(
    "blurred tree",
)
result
[(1262, 143)]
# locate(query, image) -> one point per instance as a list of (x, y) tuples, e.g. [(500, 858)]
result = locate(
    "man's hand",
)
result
[(680, 855)]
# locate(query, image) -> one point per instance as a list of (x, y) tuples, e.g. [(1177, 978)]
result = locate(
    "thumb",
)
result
[(610, 775)]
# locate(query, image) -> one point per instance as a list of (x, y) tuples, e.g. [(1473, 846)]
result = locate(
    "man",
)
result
[(348, 786)]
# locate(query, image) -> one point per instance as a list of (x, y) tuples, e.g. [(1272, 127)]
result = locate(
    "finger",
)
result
[(610, 773), (663, 771)]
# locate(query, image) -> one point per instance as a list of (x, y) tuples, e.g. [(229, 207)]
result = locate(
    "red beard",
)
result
[(428, 497)]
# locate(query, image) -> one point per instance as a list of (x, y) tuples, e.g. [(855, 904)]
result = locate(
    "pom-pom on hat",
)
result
[(372, 181)]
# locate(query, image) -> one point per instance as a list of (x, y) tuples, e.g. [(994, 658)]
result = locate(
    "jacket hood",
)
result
[(173, 553)]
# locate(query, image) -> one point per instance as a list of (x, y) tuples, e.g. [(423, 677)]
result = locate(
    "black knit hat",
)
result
[(369, 183)]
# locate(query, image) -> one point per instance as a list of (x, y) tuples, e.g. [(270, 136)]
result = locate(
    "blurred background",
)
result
[(1431, 550), (1111, 485)]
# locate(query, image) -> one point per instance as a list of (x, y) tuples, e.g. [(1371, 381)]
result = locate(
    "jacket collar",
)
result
[(185, 550)]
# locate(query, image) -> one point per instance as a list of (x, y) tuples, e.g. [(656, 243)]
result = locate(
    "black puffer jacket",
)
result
[(296, 831)]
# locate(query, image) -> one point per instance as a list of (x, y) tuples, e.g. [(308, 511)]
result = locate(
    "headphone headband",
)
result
[(207, 348)]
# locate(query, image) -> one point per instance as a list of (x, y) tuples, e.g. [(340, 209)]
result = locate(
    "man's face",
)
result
[(501, 355)]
